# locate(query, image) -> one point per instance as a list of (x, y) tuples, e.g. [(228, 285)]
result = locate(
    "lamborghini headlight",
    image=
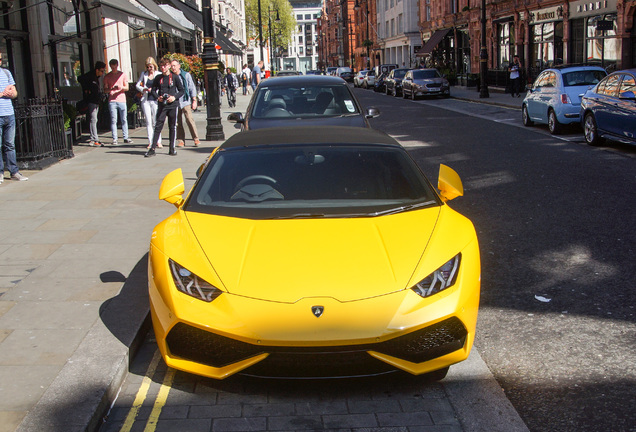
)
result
[(442, 278), (191, 284)]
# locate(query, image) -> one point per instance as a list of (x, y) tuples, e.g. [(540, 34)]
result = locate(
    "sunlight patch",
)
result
[(489, 180)]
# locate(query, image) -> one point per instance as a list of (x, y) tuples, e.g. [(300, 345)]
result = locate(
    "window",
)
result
[(628, 84), (602, 45), (611, 86), (308, 17), (400, 30), (392, 27)]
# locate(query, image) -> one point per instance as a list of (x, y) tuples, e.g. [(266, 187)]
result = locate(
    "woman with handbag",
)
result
[(148, 100)]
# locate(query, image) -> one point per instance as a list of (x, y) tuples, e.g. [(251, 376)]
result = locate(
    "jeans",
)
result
[(93, 110), (7, 130), (150, 112), (123, 116), (165, 110)]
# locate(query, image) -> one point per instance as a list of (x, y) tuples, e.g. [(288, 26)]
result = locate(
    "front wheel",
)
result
[(553, 124), (526, 117), (591, 130)]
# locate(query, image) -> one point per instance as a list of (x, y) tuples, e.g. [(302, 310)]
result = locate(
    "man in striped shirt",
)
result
[(7, 125)]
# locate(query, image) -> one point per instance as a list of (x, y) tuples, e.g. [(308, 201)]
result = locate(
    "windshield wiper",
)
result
[(403, 208)]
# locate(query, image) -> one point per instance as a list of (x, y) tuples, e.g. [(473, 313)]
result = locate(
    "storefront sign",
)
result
[(584, 8), (546, 15), (136, 22)]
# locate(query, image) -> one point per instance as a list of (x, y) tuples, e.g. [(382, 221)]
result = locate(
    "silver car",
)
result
[(424, 82)]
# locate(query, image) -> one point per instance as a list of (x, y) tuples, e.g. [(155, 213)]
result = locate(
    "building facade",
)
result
[(302, 53)]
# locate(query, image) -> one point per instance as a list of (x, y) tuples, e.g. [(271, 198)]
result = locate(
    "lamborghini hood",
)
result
[(288, 260)]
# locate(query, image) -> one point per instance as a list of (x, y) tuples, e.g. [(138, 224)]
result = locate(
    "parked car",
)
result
[(369, 80), (357, 80), (313, 252), (384, 69), (608, 110), (346, 73), (393, 82), (424, 82), (378, 85), (555, 96), (313, 72), (303, 100), (331, 70)]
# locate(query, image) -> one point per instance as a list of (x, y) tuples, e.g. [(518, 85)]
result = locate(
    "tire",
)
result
[(526, 117), (590, 130), (553, 124)]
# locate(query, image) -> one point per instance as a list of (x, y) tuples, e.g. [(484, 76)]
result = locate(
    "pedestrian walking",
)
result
[(256, 74), (246, 74), (116, 86), (187, 104), (91, 95), (148, 100), (7, 125), (515, 77), (167, 88), (231, 82)]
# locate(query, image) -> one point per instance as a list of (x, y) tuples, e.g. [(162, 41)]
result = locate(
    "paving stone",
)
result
[(239, 424), (405, 419)]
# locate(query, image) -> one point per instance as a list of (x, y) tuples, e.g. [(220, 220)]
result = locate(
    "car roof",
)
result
[(631, 71), (309, 79), (569, 68), (302, 135)]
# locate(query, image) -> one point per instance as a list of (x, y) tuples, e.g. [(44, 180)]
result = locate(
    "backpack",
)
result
[(244, 77)]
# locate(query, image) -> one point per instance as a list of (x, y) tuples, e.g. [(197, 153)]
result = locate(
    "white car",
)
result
[(357, 80), (369, 80)]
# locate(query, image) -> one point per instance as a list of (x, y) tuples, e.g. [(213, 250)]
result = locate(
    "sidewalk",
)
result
[(496, 96), (73, 281), (73, 285)]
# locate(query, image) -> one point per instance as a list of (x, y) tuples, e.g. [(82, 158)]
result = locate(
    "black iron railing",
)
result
[(40, 138)]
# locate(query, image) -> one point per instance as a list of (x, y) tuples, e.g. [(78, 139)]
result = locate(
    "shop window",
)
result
[(506, 44), (601, 42)]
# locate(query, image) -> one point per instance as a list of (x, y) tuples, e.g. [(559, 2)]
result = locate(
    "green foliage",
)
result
[(69, 111), (67, 121), (192, 64), (281, 30)]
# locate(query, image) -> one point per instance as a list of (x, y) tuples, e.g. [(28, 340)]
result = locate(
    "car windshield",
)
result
[(311, 181), (425, 74), (583, 77), (304, 101), (399, 73)]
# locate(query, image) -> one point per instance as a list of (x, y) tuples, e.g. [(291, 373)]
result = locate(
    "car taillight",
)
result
[(565, 99)]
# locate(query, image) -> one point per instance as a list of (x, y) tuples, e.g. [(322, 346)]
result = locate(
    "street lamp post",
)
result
[(210, 58), (271, 41), (483, 56), (260, 30)]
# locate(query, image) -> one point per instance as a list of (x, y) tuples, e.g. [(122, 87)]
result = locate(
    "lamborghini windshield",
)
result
[(311, 181)]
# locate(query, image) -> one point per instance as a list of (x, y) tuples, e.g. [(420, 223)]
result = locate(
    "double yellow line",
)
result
[(142, 393)]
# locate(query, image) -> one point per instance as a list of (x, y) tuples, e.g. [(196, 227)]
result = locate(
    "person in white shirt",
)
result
[(148, 101), (246, 74)]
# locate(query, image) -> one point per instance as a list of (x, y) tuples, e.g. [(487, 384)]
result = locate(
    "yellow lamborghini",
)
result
[(313, 252)]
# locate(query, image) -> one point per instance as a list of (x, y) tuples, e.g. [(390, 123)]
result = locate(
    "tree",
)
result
[(281, 30)]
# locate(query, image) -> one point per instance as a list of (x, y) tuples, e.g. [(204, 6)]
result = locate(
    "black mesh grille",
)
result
[(214, 350)]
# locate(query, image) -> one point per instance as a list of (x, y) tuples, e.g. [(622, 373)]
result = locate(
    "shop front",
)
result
[(594, 33), (546, 39)]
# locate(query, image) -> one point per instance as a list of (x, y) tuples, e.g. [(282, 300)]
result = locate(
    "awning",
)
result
[(124, 12), (167, 23), (227, 46), (430, 44), (196, 18)]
